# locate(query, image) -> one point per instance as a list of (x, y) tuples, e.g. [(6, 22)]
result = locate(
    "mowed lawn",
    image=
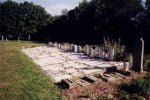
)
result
[(20, 78)]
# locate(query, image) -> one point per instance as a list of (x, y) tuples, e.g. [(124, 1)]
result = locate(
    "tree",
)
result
[(21, 20), (64, 11)]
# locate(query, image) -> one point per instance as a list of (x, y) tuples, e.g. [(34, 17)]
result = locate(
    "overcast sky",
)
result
[(54, 7)]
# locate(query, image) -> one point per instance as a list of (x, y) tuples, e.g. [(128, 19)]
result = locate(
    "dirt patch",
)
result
[(100, 89)]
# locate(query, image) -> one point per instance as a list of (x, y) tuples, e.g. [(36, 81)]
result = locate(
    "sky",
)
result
[(53, 7)]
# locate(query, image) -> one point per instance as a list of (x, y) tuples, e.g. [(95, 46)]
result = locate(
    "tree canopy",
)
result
[(87, 23), (21, 19)]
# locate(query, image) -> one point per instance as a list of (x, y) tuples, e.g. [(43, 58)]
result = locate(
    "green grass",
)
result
[(20, 78)]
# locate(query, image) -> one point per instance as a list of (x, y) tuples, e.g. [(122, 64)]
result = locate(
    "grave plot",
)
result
[(60, 65)]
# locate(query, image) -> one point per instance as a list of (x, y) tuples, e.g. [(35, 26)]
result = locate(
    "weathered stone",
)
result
[(126, 67), (87, 50), (138, 56), (91, 52), (79, 49), (6, 39), (2, 38), (50, 44), (29, 37), (111, 54)]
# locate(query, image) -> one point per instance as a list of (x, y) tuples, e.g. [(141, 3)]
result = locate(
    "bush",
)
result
[(141, 86), (147, 63)]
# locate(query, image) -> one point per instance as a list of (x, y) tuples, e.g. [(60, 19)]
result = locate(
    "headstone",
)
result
[(138, 56), (79, 49), (6, 39), (87, 50), (91, 52), (75, 48), (111, 54), (126, 67), (96, 51), (29, 37), (100, 52), (50, 44), (72, 47), (106, 55), (2, 38), (103, 54), (55, 44)]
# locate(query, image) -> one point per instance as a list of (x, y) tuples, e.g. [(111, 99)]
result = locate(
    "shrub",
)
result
[(147, 63), (125, 97), (141, 86)]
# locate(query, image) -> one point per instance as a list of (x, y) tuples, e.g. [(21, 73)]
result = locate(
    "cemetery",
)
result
[(74, 50), (73, 64)]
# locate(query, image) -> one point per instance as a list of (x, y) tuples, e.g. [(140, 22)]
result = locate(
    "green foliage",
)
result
[(125, 97), (147, 64), (141, 86), (19, 20), (147, 61)]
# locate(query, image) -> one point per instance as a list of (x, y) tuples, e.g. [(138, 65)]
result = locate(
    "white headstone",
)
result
[(6, 39), (91, 52), (29, 37), (75, 48), (87, 50), (2, 38), (111, 54), (79, 49)]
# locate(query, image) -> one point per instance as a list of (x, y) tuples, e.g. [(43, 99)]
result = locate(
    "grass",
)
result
[(20, 78)]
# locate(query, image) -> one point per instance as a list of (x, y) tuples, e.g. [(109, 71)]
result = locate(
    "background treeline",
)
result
[(21, 20), (90, 22)]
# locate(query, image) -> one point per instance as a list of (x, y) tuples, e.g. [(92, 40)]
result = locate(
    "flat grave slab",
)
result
[(60, 65)]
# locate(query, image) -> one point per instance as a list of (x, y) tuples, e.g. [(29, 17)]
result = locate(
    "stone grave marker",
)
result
[(50, 44), (87, 50), (138, 56), (79, 49), (2, 38), (111, 54), (100, 52), (91, 52), (75, 48), (6, 39)]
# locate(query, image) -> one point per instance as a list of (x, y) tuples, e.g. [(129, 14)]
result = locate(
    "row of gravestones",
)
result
[(97, 52), (107, 53), (2, 38)]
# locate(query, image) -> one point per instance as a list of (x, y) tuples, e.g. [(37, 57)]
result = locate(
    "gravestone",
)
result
[(79, 49), (97, 51), (138, 56), (2, 38), (100, 52), (55, 44), (72, 47), (29, 37), (50, 44), (69, 47), (75, 48), (87, 50), (6, 39), (111, 54), (91, 52), (125, 67), (103, 54)]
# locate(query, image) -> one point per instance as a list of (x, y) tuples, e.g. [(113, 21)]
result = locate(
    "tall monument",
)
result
[(138, 56)]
